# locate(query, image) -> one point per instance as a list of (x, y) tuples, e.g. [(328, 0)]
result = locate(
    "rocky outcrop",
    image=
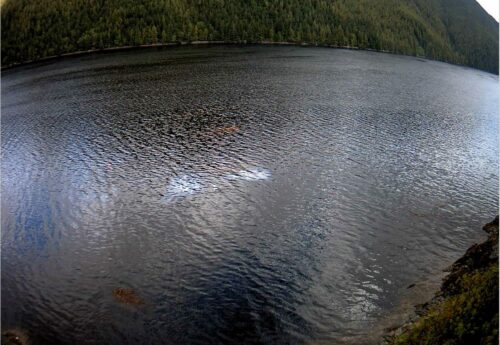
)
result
[(477, 257), (465, 309)]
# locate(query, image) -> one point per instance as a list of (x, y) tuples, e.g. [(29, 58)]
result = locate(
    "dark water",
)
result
[(248, 195)]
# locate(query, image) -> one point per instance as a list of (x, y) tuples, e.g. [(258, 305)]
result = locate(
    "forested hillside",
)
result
[(458, 31)]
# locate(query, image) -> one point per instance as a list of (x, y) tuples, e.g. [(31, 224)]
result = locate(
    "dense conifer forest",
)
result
[(457, 31)]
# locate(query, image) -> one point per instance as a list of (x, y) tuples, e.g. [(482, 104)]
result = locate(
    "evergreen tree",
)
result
[(450, 30)]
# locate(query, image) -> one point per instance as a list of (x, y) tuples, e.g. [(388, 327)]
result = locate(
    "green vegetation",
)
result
[(469, 317), (466, 311), (450, 30)]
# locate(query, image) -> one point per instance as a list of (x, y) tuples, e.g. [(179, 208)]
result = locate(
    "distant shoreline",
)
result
[(197, 43)]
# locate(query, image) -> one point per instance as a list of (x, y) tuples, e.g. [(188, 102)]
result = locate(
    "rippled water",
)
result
[(247, 195)]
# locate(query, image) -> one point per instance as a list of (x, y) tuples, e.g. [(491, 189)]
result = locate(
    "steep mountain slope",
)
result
[(458, 31)]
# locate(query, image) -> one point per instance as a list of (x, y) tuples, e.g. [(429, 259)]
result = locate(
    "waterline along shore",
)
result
[(465, 309), (463, 33), (209, 43)]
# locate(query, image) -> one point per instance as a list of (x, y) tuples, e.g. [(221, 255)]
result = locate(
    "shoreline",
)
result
[(211, 43), (448, 307)]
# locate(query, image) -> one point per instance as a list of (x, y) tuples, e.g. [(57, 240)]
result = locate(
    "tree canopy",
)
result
[(458, 31)]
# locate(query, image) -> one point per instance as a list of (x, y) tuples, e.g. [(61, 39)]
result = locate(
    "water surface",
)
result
[(257, 195)]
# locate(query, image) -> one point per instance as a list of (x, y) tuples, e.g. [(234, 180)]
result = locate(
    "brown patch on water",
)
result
[(227, 130), (127, 296), (15, 337)]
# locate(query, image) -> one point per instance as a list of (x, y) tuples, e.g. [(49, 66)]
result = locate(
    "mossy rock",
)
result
[(465, 311)]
